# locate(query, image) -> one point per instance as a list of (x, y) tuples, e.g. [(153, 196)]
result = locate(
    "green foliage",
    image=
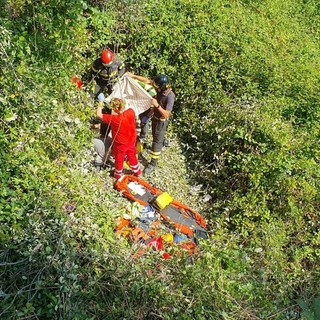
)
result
[(310, 312), (246, 75)]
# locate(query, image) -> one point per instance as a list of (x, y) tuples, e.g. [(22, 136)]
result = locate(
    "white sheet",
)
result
[(135, 96)]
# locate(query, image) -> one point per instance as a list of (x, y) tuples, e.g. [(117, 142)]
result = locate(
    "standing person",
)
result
[(123, 131), (160, 112), (106, 71)]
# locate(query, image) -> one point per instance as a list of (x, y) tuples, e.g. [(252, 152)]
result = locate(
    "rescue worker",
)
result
[(160, 112), (123, 131), (106, 71)]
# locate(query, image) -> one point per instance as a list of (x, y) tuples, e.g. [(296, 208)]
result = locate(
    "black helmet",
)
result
[(161, 81)]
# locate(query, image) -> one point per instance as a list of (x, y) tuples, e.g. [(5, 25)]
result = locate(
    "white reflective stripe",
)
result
[(136, 170)]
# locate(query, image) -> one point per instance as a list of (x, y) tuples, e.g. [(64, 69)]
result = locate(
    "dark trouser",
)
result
[(143, 125), (158, 131)]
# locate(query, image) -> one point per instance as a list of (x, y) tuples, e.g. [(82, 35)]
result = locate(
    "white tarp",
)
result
[(135, 96)]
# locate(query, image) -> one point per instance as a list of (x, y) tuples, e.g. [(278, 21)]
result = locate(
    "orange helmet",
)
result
[(107, 56)]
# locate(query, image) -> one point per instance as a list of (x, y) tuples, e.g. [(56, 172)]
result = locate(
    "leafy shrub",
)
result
[(246, 77)]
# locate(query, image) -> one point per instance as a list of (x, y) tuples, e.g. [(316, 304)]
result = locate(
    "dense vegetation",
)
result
[(247, 77)]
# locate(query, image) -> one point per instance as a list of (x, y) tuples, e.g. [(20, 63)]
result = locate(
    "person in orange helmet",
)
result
[(106, 71)]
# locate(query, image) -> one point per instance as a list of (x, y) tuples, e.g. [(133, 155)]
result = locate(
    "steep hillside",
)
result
[(245, 153)]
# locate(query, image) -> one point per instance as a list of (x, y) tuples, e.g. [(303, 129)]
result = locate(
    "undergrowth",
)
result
[(244, 153)]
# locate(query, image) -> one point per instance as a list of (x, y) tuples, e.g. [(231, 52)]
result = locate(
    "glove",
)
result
[(144, 119), (101, 97)]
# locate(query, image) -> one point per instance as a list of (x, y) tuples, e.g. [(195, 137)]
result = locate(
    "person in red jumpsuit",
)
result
[(123, 131)]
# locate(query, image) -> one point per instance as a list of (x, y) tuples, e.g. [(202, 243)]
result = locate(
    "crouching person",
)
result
[(123, 132), (102, 141)]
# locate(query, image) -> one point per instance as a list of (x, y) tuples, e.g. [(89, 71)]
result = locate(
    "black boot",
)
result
[(150, 167), (99, 166)]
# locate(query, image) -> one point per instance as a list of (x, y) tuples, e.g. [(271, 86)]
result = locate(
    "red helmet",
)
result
[(107, 56)]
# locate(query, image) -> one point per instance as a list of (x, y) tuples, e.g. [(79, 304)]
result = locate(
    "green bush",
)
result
[(246, 77)]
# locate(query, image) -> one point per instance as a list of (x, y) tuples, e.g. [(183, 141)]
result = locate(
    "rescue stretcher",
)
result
[(182, 222)]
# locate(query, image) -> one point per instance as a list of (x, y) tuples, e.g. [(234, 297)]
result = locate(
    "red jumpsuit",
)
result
[(123, 131)]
